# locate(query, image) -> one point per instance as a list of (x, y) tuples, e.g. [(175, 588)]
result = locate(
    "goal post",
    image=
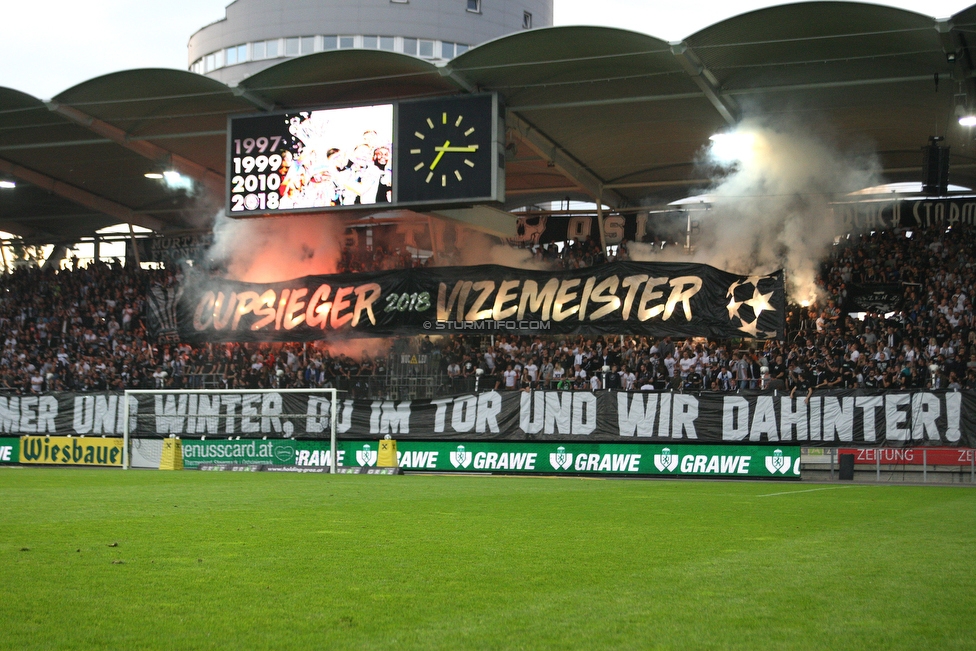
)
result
[(135, 393)]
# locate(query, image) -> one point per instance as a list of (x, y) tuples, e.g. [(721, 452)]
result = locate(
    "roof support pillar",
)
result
[(706, 81), (259, 101), (957, 53), (559, 158), (456, 78)]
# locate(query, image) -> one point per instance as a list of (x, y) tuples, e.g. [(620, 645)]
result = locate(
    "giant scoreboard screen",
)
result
[(425, 152)]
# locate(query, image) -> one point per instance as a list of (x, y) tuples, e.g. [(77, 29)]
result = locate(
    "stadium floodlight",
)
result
[(968, 120), (182, 410), (153, 175), (733, 147), (7, 185)]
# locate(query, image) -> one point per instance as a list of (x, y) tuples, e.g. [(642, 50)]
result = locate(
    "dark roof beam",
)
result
[(657, 184), (543, 190), (146, 149), (851, 83), (563, 161), (18, 229), (727, 107), (81, 197), (104, 141), (608, 101)]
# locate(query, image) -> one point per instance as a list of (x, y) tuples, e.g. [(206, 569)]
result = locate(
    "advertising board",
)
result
[(251, 452), (911, 456), (71, 451), (512, 457), (9, 450)]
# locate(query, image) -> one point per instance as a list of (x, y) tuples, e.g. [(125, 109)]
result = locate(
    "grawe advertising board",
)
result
[(71, 451), (911, 456), (509, 457), (9, 450)]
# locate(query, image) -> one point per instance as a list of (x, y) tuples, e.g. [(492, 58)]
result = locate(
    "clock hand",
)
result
[(446, 148), (440, 152)]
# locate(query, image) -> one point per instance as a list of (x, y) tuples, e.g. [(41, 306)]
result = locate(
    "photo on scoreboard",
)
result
[(311, 159)]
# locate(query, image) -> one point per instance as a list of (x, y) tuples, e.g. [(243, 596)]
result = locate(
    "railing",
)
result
[(414, 375)]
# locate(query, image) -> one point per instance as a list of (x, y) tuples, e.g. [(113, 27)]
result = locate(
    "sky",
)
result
[(49, 47)]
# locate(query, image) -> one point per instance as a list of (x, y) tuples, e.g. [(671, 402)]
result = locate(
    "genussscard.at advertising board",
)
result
[(508, 457)]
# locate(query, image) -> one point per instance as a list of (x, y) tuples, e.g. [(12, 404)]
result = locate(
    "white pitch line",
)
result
[(809, 490)]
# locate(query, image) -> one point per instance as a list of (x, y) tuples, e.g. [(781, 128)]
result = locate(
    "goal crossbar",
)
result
[(333, 410)]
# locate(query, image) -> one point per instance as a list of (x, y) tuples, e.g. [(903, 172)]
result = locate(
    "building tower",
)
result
[(256, 34)]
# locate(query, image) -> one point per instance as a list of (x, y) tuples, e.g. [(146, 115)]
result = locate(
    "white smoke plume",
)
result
[(484, 249), (771, 209), (460, 246)]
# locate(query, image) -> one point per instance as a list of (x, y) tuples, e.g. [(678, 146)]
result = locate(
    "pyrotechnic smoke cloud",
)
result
[(458, 245), (484, 249), (282, 248), (770, 209)]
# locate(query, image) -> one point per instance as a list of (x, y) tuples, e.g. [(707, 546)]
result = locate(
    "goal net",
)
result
[(151, 415)]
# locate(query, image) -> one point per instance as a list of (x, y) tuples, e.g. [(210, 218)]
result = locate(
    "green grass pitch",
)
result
[(272, 561)]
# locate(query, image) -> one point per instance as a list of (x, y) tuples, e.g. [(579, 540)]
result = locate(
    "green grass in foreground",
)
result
[(250, 561)]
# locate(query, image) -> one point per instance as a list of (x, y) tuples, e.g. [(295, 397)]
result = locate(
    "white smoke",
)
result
[(176, 181), (771, 208), (484, 249), (457, 245)]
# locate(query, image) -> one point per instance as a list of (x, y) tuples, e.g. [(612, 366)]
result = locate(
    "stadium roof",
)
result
[(593, 111)]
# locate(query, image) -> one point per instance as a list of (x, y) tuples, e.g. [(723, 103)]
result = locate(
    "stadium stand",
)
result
[(84, 329)]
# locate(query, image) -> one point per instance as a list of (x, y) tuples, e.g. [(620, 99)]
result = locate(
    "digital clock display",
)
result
[(311, 160), (436, 151)]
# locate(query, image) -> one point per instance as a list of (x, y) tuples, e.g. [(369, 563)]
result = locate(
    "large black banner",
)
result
[(657, 299), (864, 418), (640, 227), (174, 249), (907, 213), (874, 297)]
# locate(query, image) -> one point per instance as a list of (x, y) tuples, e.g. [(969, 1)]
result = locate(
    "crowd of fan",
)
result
[(379, 258), (572, 255), (576, 255), (81, 329), (84, 329)]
